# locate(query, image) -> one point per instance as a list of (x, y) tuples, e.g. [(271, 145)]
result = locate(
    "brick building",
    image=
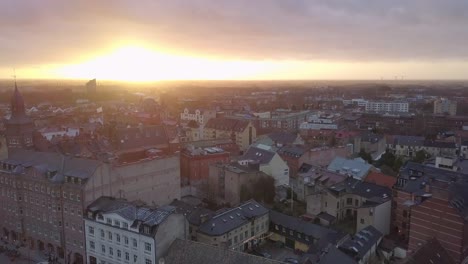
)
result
[(429, 202), (195, 162)]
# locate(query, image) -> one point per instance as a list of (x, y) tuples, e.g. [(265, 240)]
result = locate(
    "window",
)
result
[(147, 246), (103, 249), (338, 205), (102, 233), (356, 202), (117, 237), (405, 213), (134, 258), (92, 245), (109, 221), (126, 240), (135, 243), (362, 220), (403, 225), (148, 261), (125, 226), (109, 235), (116, 223), (371, 212), (127, 256), (276, 227), (349, 201), (111, 251), (119, 253)]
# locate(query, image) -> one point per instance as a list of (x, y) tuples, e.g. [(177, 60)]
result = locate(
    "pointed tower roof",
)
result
[(18, 111)]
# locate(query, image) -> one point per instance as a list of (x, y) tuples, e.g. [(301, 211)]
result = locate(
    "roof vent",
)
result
[(224, 220), (368, 190), (232, 217), (250, 208)]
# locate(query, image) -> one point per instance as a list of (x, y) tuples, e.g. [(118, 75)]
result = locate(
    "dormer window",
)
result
[(146, 230), (100, 217)]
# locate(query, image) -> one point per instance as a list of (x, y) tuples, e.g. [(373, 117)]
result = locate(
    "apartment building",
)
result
[(194, 163), (242, 132), (408, 146), (445, 106), (198, 115), (381, 106), (363, 246), (238, 228), (226, 181), (269, 162), (118, 231), (363, 202), (429, 202)]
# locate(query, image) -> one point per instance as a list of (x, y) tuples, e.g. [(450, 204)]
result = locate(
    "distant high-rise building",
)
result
[(91, 86), (445, 106)]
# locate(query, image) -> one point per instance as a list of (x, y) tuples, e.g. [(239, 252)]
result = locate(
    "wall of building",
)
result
[(278, 169), (156, 182), (175, 226), (107, 242)]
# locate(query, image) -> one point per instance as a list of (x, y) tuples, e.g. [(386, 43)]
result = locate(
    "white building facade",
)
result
[(379, 106), (119, 232)]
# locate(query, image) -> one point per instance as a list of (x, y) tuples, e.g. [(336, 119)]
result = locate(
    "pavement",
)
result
[(276, 252)]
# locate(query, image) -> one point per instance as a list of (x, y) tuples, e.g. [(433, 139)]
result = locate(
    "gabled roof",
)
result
[(230, 219), (263, 156), (293, 151), (191, 252), (300, 226), (431, 252), (362, 242), (52, 161), (131, 212), (284, 138), (374, 194)]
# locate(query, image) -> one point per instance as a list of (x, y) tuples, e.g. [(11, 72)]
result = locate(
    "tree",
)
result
[(261, 190), (365, 156), (420, 156)]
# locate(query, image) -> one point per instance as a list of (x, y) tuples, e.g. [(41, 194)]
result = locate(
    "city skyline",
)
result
[(220, 40)]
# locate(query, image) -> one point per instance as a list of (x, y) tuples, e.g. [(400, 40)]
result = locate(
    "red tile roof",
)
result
[(381, 179)]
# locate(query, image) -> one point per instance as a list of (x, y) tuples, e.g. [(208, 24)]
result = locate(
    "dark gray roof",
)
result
[(293, 151), (131, 212), (375, 194), (191, 252), (431, 252), (408, 140), (230, 219), (439, 144), (300, 226), (371, 137), (52, 161), (142, 137), (332, 255), (257, 154), (194, 214), (282, 137), (362, 242)]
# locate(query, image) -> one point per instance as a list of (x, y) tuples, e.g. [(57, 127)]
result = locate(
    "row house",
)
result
[(118, 231), (297, 234), (408, 146)]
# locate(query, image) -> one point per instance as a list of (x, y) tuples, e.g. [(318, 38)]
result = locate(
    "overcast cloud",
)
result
[(48, 31)]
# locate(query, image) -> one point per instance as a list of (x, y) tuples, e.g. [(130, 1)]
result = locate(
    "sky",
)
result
[(221, 39)]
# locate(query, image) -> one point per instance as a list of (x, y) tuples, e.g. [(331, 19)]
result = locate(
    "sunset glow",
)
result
[(136, 63)]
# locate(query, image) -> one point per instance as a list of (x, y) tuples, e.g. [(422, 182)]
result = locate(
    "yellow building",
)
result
[(241, 131)]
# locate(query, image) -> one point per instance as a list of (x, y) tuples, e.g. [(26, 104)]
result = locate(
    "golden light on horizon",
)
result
[(139, 64)]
